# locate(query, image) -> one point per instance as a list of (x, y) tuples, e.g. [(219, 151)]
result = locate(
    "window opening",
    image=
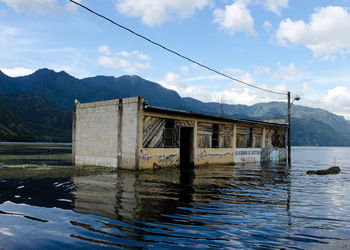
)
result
[(169, 133), (249, 137)]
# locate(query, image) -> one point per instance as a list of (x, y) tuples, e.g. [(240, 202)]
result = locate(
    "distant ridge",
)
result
[(40, 106)]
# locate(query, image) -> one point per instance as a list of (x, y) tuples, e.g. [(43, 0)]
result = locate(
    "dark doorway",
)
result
[(186, 147)]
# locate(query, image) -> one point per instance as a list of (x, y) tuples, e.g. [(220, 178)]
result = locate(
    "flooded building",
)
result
[(128, 133)]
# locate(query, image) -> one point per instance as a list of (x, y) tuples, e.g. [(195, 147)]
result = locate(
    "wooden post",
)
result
[(263, 138)]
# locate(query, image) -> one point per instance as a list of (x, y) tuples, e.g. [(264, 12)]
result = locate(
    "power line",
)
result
[(174, 52)]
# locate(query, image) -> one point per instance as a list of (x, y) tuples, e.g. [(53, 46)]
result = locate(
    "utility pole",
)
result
[(288, 134)]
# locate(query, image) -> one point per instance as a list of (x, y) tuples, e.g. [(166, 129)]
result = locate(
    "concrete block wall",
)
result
[(106, 133), (129, 129)]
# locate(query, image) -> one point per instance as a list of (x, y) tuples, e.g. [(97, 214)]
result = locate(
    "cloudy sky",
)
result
[(302, 46)]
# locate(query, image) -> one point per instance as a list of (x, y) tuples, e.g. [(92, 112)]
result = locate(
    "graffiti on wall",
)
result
[(274, 154), (247, 155), (160, 159), (204, 154)]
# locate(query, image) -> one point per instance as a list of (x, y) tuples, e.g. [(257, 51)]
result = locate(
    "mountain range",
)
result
[(38, 107)]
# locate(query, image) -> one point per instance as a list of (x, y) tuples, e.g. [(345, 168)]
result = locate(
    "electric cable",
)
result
[(172, 51)]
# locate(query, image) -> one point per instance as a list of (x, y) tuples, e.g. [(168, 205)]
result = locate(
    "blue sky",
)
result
[(301, 46)]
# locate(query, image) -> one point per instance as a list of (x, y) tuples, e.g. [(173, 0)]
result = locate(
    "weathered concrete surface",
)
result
[(96, 134), (106, 133), (130, 133)]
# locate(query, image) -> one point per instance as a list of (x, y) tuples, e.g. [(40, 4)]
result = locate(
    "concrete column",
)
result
[(74, 133), (195, 142), (119, 134), (129, 133)]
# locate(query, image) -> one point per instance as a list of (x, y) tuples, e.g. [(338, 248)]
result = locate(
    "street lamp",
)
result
[(296, 98)]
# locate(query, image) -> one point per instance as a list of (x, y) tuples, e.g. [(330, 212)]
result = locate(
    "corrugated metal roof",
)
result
[(226, 118)]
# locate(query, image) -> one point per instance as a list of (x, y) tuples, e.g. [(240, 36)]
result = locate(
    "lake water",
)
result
[(45, 203)]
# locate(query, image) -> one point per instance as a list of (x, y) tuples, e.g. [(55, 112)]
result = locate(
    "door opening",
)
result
[(186, 147)]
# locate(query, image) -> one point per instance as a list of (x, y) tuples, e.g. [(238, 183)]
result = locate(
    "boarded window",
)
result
[(275, 137), (226, 136), (153, 129), (241, 134), (204, 134), (215, 136), (278, 138), (162, 133), (257, 137), (158, 133)]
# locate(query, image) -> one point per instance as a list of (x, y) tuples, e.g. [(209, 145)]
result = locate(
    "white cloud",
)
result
[(126, 66), (135, 54), (184, 70), (173, 81), (104, 49), (262, 70), (235, 18), (71, 6), (276, 6), (129, 62), (286, 73), (38, 6), (235, 96), (267, 26), (241, 75), (156, 12), (9, 31), (306, 87), (212, 88), (327, 32), (18, 71), (338, 101), (248, 96)]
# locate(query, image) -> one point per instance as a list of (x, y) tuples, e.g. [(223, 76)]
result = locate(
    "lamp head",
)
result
[(297, 98)]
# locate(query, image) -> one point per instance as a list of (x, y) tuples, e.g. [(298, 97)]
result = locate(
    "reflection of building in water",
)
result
[(152, 206), (105, 195), (129, 133), (128, 196)]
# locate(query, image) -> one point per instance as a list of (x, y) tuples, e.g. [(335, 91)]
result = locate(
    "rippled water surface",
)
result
[(46, 203)]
